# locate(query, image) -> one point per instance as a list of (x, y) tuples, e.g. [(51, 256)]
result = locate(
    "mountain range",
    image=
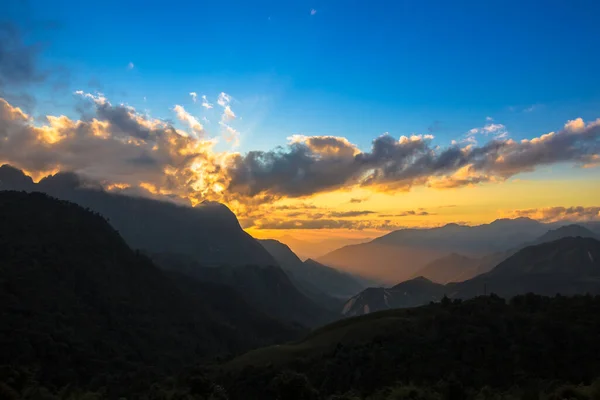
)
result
[(402, 254), (76, 301), (565, 260), (209, 232), (312, 275)]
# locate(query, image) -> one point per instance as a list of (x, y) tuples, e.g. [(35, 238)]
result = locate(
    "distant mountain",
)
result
[(400, 254), (565, 231), (568, 266), (487, 263), (411, 293), (76, 302), (451, 268), (594, 226), (268, 288), (334, 281), (312, 275), (209, 232), (316, 248)]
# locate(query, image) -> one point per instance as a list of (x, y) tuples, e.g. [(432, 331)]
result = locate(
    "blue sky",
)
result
[(350, 68)]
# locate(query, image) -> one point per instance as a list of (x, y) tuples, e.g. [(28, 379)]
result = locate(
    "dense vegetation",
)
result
[(532, 342), (82, 316), (79, 307)]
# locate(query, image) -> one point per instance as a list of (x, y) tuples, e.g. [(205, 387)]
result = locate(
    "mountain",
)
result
[(411, 293), (565, 231), (316, 248), (451, 268), (438, 351), (567, 266), (267, 288), (76, 303), (400, 254), (209, 232), (487, 263), (594, 226), (312, 275)]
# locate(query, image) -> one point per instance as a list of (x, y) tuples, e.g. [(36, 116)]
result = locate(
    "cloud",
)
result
[(313, 11), (327, 224), (409, 213), (228, 114), (18, 61), (230, 134), (556, 214), (346, 214), (116, 144), (356, 200), (205, 103), (310, 165), (130, 66), (195, 126), (194, 96), (498, 131), (224, 99)]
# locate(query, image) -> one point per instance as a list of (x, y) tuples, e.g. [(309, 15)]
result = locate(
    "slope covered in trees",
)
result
[(79, 307), (488, 344), (209, 232)]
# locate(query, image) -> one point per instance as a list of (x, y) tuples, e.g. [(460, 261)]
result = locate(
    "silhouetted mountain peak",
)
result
[(66, 181), (504, 221), (572, 230), (210, 232), (14, 178), (575, 256)]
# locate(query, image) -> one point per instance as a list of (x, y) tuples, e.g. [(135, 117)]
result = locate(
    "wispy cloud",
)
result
[(184, 116), (205, 103), (224, 99), (555, 214), (409, 213), (194, 96), (228, 114), (491, 128), (130, 66), (230, 134), (313, 11)]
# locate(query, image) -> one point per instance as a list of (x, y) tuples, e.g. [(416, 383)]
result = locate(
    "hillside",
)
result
[(451, 268), (411, 293), (479, 342), (311, 275), (568, 266), (267, 288), (209, 232), (572, 230), (401, 254), (78, 304)]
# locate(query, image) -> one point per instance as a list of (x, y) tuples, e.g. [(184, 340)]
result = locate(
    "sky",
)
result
[(315, 119)]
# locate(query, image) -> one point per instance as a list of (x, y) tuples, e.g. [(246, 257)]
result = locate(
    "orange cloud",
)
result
[(555, 214)]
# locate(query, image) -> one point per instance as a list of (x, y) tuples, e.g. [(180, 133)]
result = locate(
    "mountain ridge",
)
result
[(153, 225)]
